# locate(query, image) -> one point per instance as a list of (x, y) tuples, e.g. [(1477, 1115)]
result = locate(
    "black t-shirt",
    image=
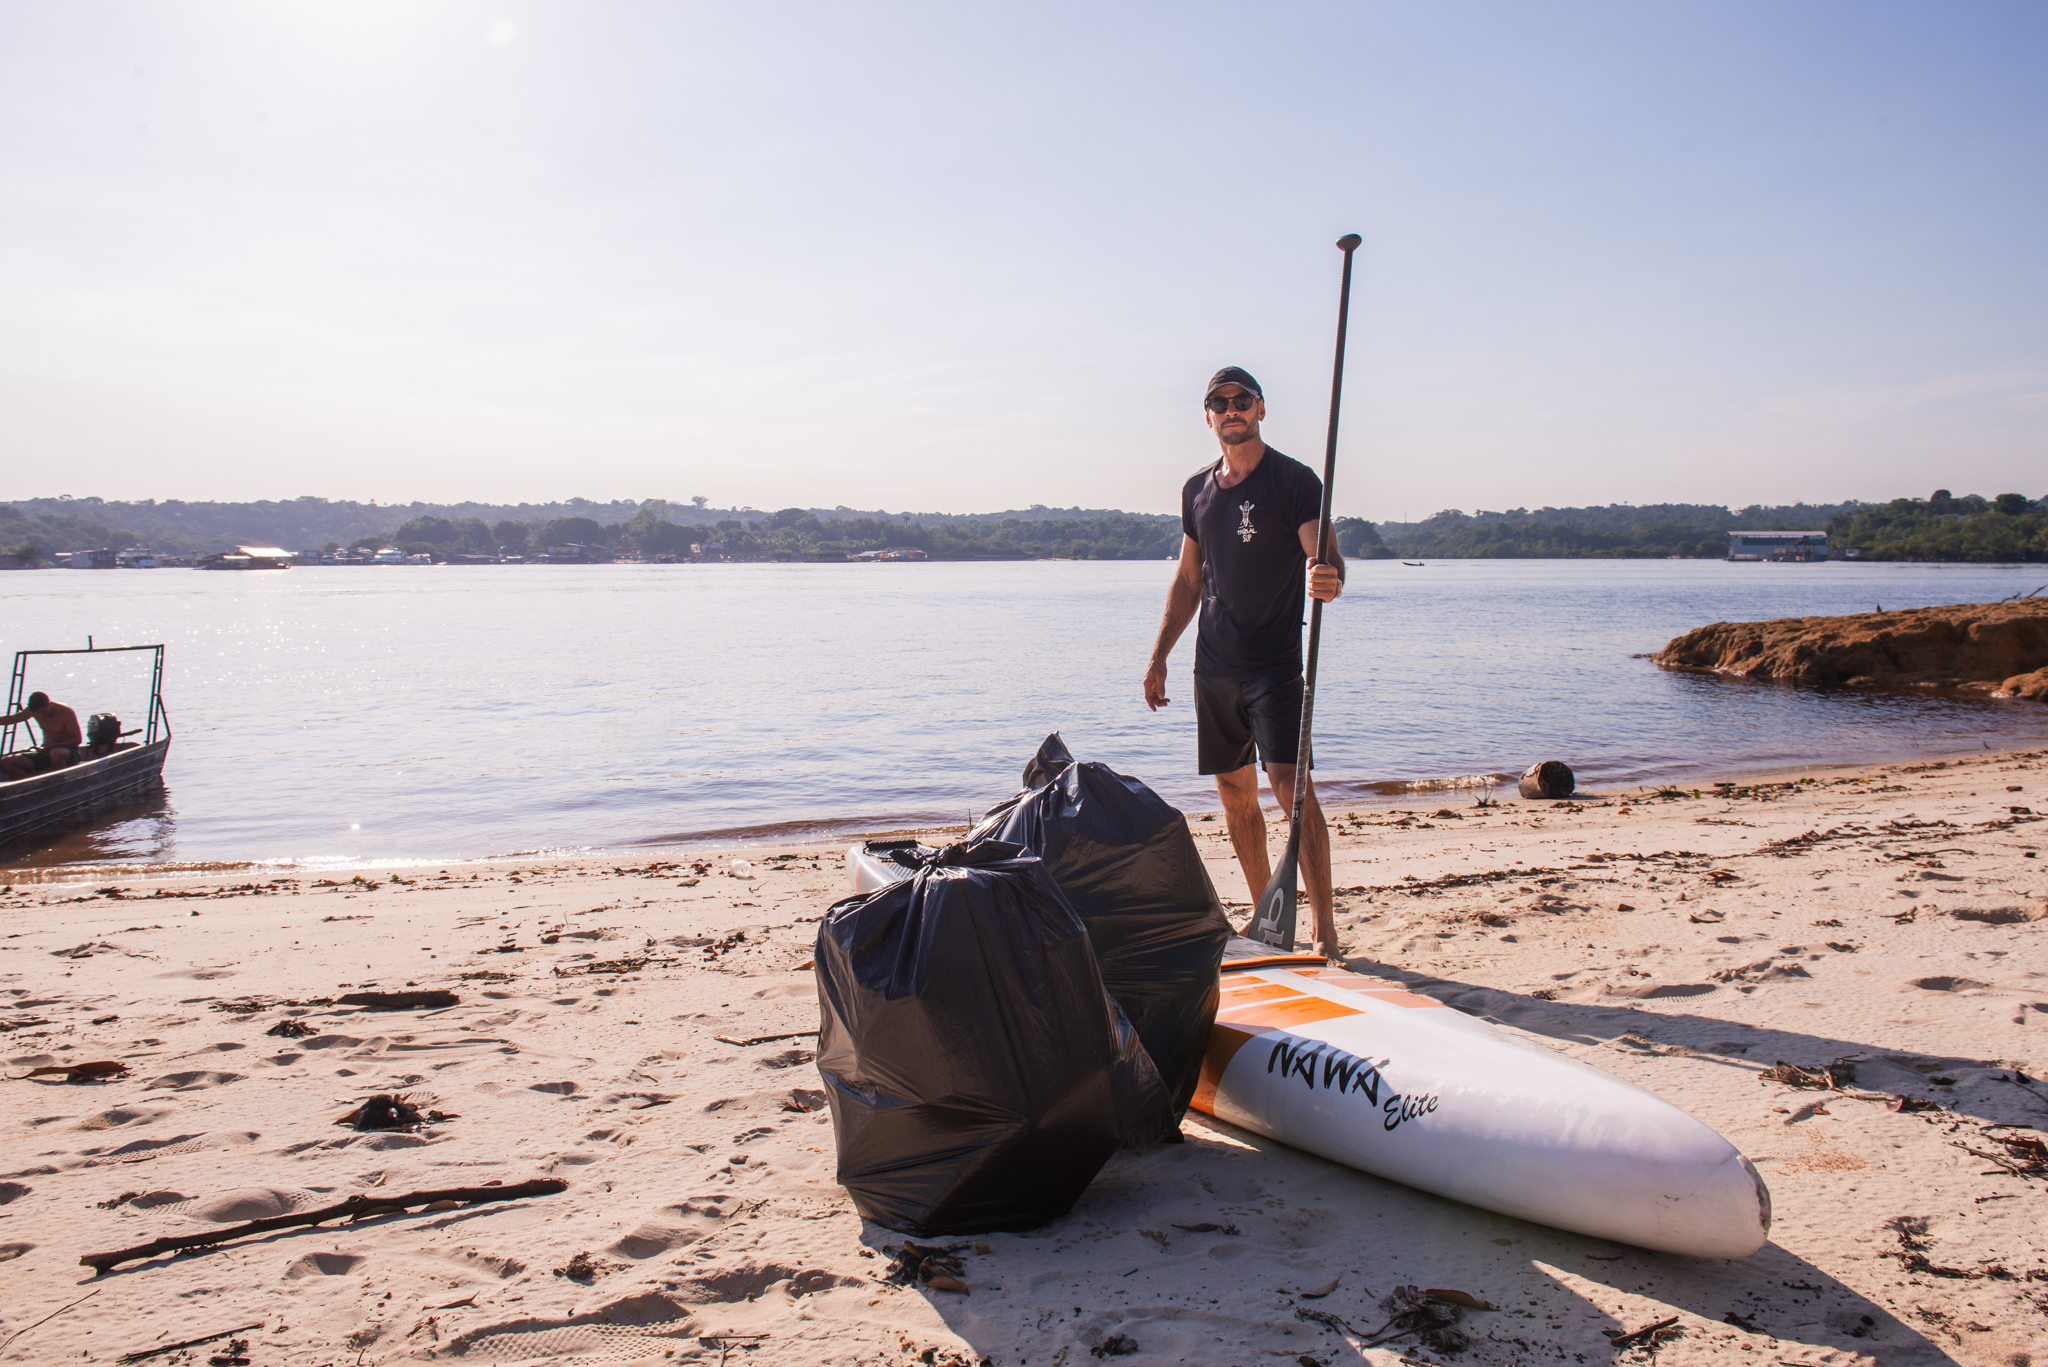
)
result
[(1254, 576)]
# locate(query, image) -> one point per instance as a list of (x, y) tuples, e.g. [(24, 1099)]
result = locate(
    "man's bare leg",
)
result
[(1239, 790), (1315, 854)]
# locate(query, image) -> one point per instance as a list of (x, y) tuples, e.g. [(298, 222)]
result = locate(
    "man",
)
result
[(62, 744), (1248, 527)]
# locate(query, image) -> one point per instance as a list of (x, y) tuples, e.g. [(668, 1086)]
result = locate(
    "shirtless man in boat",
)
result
[(63, 743), (1248, 530)]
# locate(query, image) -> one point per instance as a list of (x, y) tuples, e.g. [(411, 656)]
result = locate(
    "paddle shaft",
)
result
[(1273, 921)]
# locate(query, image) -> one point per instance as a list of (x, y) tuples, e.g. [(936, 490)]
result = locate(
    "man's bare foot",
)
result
[(1328, 949)]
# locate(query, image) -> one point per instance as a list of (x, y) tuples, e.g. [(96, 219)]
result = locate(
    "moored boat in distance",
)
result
[(246, 558), (114, 769)]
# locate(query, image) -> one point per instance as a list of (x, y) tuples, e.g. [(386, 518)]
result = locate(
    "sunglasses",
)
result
[(1217, 403)]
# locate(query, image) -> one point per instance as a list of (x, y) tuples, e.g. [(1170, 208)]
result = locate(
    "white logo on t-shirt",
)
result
[(1245, 531)]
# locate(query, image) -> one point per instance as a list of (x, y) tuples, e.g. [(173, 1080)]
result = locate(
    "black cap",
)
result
[(1236, 375)]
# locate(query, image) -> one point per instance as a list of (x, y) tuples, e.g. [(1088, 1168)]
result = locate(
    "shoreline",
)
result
[(718, 844)]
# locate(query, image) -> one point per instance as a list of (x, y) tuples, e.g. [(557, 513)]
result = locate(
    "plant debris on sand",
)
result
[(1648, 1339), (1429, 1315), (938, 1268)]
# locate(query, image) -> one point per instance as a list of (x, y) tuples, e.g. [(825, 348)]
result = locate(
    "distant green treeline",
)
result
[(655, 527), (2009, 527), (1942, 527)]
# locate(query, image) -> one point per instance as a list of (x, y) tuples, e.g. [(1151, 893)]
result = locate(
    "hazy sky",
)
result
[(967, 257)]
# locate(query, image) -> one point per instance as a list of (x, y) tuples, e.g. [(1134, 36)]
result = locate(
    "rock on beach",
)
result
[(2000, 649)]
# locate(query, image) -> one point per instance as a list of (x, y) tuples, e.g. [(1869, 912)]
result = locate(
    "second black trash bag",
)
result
[(978, 1072), (1126, 861)]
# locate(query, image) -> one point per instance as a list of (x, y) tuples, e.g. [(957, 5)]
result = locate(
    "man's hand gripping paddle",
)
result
[(1273, 919)]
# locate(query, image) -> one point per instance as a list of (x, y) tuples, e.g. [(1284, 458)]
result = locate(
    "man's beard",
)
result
[(1238, 436)]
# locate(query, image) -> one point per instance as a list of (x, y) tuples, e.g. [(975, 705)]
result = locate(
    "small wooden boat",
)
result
[(44, 804)]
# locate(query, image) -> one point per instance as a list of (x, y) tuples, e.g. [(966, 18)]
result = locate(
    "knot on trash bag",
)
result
[(981, 853), (1049, 763)]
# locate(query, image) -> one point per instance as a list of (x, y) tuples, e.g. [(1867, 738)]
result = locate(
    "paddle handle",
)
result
[(1347, 244)]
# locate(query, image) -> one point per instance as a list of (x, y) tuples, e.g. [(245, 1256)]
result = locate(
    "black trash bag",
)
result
[(1127, 862), (979, 1074)]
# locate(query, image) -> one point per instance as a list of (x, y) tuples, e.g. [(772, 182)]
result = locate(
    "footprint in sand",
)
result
[(1666, 990), (124, 1115), (9, 1252), (323, 1265), (1946, 984), (673, 1227), (330, 1042), (191, 1082), (719, 1286), (142, 1146), (497, 1265), (1999, 916), (249, 1203), (635, 1327), (164, 1148), (150, 1200), (380, 1142), (10, 1192)]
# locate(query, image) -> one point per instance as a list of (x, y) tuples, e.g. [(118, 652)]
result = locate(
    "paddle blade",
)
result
[(1273, 918)]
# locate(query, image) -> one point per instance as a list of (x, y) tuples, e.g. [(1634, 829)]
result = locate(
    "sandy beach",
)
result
[(1887, 918)]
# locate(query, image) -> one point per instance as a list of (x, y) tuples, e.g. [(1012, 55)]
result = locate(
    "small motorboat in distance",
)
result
[(115, 769)]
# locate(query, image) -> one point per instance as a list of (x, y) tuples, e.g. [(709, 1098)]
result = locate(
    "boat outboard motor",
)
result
[(103, 731)]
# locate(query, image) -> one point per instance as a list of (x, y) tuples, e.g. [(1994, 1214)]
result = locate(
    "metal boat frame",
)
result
[(59, 796)]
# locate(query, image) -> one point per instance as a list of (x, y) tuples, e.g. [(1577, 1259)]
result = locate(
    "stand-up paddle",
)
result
[(1273, 919)]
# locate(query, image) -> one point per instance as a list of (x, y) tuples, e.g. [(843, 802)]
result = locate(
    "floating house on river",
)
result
[(1778, 545)]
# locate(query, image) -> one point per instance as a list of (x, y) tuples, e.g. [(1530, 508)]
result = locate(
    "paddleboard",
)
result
[(1362, 1071)]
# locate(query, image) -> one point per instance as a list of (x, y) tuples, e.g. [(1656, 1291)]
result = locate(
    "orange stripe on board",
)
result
[(1280, 1015), (1339, 977), (1379, 989), (1234, 1029), (1224, 1042), (1256, 991)]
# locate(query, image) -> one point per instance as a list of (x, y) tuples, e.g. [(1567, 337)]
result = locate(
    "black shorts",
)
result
[(1233, 717)]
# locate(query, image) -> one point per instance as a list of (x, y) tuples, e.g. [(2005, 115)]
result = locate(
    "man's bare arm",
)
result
[(1324, 581), (1183, 597)]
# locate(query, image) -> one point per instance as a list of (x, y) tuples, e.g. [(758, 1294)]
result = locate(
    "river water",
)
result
[(352, 716)]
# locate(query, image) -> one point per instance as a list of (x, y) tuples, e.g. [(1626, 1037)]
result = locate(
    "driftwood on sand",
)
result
[(144, 1354), (356, 1207)]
